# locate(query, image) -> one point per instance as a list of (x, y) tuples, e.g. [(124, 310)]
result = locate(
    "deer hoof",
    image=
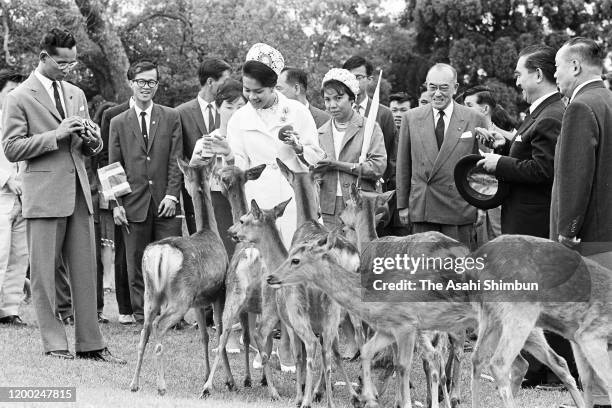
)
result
[(247, 382), (230, 386), (161, 392), (455, 402), (356, 401), (297, 402), (274, 396), (205, 393), (372, 404), (134, 387), (264, 381), (318, 396)]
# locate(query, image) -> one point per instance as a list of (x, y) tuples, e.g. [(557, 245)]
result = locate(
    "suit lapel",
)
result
[(326, 139), (451, 138), (69, 101), (137, 133), (367, 110), (427, 135), (199, 119), (530, 119), (155, 117), (41, 95)]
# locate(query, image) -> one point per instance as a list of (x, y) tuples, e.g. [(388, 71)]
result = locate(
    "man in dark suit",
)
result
[(146, 140), (363, 70), (199, 117), (122, 288), (432, 140), (293, 83), (527, 164), (43, 126), (581, 209)]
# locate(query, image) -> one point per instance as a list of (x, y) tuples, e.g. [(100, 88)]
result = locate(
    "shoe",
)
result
[(100, 355), (12, 320), (126, 319), (64, 354), (68, 320), (102, 318)]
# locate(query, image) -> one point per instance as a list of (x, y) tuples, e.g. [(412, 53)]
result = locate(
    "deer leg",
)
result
[(246, 341), (519, 369), (326, 354), (486, 344), (151, 309), (514, 334), (340, 364), (378, 342), (200, 314), (268, 321), (168, 318), (453, 367), (300, 322), (431, 366), (224, 327), (538, 346), (386, 376), (586, 374), (320, 386), (300, 369), (358, 331), (595, 351), (405, 351)]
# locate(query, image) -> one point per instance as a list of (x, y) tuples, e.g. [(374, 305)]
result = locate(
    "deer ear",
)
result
[(254, 172), (354, 194), (331, 239), (255, 210), (285, 170), (384, 198), (280, 208)]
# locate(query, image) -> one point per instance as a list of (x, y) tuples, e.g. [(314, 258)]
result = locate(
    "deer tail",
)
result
[(160, 264)]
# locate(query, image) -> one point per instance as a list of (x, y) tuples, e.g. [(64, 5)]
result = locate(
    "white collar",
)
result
[(204, 104), (147, 111), (364, 103), (582, 85), (47, 83), (538, 101), (132, 102), (448, 111)]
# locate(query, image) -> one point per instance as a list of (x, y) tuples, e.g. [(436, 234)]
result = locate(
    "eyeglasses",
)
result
[(434, 88), (62, 65), (360, 77), (151, 83)]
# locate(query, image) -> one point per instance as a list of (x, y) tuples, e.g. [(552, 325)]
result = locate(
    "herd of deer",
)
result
[(313, 285)]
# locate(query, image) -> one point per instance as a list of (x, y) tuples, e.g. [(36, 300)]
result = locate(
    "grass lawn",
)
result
[(102, 385)]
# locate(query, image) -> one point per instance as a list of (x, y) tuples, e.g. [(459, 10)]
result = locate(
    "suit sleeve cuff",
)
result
[(171, 197)]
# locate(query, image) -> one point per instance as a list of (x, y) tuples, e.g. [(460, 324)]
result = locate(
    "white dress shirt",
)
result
[(363, 106), (539, 101), (448, 112), (205, 106), (147, 118), (48, 85), (582, 85)]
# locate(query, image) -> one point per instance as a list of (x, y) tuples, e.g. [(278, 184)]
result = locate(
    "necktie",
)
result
[(143, 126), (440, 129), (211, 119), (58, 102)]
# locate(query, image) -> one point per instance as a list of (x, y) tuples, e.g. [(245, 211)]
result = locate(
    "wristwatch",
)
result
[(353, 166)]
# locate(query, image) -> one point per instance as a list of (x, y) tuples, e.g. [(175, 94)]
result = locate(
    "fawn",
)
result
[(184, 272), (243, 280)]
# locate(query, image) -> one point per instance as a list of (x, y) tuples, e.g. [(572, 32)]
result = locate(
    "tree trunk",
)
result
[(111, 71)]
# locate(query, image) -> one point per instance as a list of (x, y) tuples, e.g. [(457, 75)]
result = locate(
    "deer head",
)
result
[(197, 179), (305, 262), (306, 186), (232, 180), (257, 224), (365, 210)]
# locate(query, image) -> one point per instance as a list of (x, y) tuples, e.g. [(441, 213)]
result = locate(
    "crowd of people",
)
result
[(556, 162)]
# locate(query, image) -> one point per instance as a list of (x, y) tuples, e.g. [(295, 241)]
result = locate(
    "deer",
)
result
[(397, 322), (184, 272), (242, 283), (258, 226), (323, 312)]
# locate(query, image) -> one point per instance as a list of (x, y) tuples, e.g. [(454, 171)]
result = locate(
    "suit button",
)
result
[(150, 181), (427, 174), (346, 184), (148, 159)]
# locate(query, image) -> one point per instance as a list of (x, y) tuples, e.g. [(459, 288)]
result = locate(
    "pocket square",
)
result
[(518, 138), (81, 109), (466, 135)]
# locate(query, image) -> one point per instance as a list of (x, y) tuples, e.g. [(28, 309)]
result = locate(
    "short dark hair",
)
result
[(339, 87), (97, 118), (296, 76), (212, 68), (141, 66), (7, 76), (356, 61), (540, 56), (400, 97), (230, 90), (499, 116), (261, 73), (587, 50), (57, 37)]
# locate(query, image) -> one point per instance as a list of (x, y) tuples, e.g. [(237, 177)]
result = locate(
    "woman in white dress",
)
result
[(252, 133)]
